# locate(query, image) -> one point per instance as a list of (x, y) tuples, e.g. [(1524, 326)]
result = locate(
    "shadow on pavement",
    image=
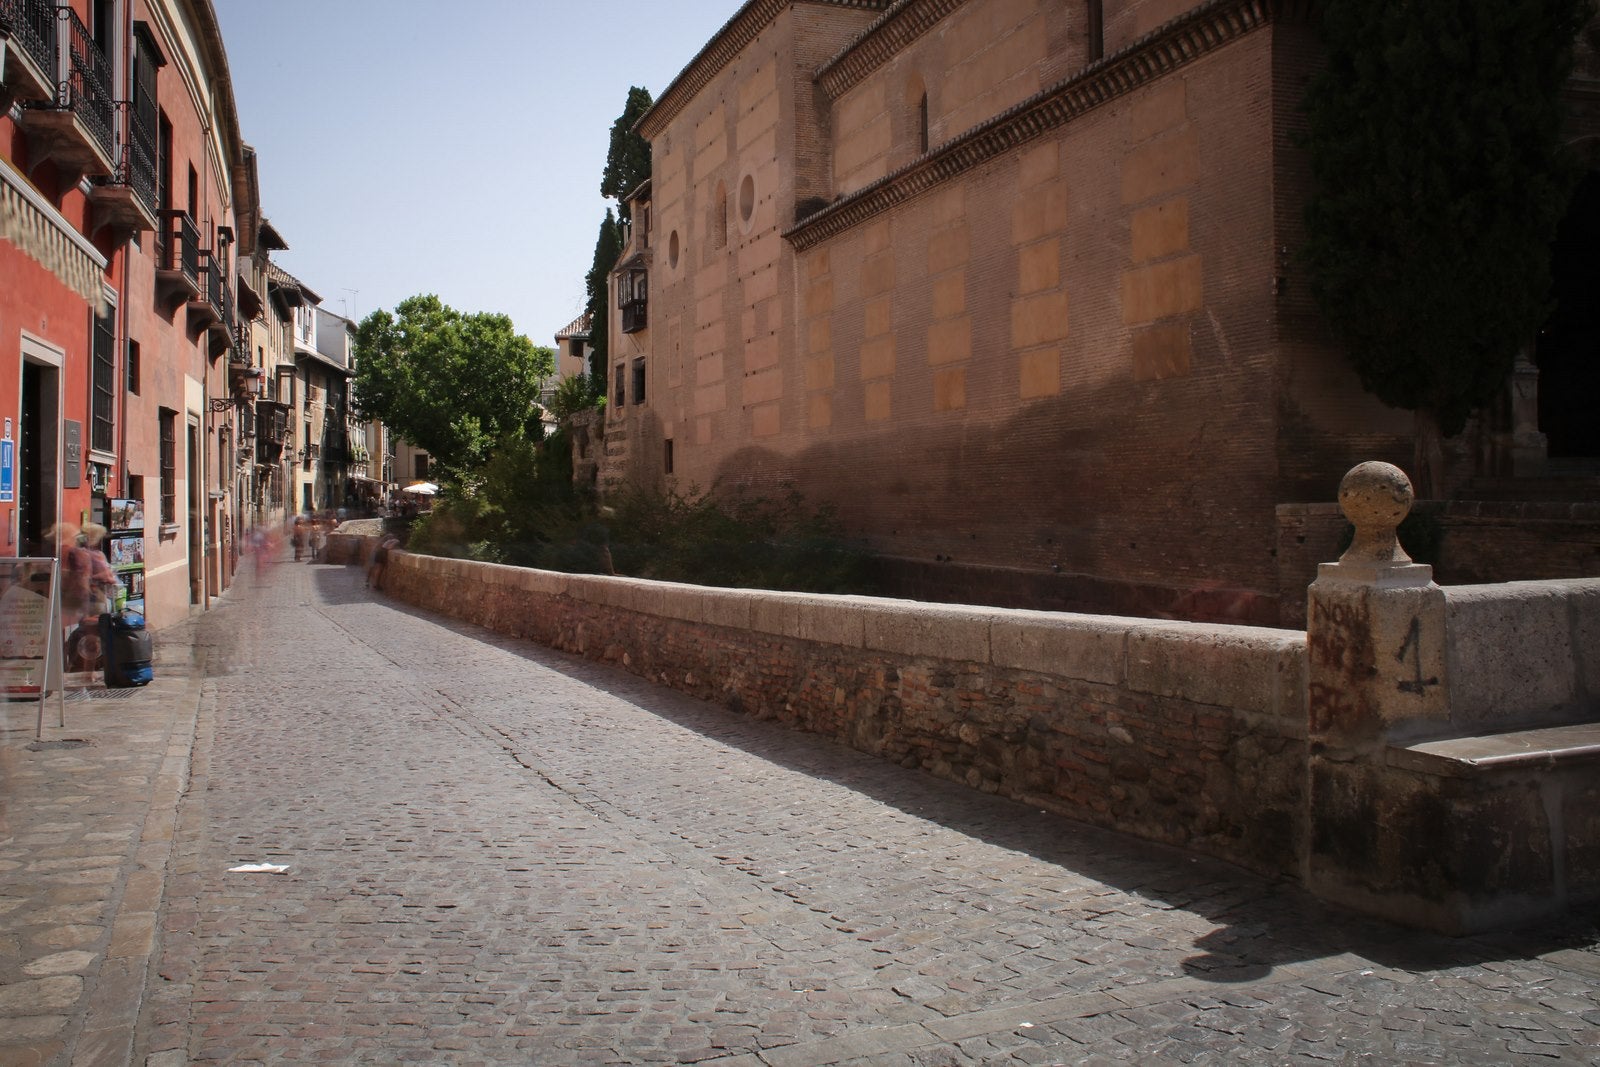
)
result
[(1263, 923)]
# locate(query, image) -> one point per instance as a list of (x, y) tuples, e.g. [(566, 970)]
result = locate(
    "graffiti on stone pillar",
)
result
[(1413, 647)]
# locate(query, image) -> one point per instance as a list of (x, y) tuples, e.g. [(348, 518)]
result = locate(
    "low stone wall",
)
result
[(1183, 733)]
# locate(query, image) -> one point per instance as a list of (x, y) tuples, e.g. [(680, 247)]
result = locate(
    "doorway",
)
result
[(196, 533), (38, 449)]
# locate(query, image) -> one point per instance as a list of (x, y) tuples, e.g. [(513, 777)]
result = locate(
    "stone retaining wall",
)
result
[(1184, 733)]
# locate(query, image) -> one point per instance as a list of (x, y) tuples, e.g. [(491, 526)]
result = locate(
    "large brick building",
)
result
[(1011, 284)]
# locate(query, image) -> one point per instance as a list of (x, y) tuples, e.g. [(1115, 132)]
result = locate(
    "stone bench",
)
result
[(1518, 750)]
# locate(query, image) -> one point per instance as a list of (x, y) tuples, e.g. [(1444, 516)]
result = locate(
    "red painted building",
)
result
[(119, 302)]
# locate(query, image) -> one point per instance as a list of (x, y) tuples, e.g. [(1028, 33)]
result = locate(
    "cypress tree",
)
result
[(607, 249), (628, 160), (1435, 144)]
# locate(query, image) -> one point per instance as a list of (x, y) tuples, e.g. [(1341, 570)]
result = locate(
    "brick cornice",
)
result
[(1174, 45), (735, 34), (902, 23)]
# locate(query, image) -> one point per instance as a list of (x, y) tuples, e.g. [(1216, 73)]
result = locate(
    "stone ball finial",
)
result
[(1375, 497)]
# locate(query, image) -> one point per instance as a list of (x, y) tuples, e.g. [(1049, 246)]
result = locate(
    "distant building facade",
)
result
[(1009, 284)]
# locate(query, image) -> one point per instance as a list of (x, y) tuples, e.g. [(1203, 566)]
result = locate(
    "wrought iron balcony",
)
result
[(212, 309), (30, 56), (73, 127), (177, 256), (241, 356), (127, 198)]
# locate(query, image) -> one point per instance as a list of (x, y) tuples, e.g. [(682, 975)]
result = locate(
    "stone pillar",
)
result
[(1375, 642), (1528, 447)]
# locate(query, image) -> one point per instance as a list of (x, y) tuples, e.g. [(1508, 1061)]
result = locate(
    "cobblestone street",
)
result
[(497, 854)]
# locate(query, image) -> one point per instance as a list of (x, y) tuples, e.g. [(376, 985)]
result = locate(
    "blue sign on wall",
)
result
[(8, 470)]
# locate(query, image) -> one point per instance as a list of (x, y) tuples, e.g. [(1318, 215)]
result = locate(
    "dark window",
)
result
[(103, 400), (638, 381), (133, 367), (719, 216), (163, 186), (421, 467), (169, 466), (1096, 31), (922, 125), (194, 194), (621, 396), (667, 455)]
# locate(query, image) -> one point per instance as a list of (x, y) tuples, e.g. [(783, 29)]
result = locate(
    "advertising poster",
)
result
[(125, 546), (27, 602)]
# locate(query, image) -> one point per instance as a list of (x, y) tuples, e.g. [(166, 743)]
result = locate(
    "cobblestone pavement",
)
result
[(499, 854)]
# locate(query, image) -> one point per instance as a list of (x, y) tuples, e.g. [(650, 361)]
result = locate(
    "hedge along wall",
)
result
[(1184, 733)]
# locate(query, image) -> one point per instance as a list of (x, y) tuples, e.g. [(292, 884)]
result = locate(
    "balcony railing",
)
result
[(128, 194), (214, 287), (179, 248), (33, 27), (82, 90), (240, 357)]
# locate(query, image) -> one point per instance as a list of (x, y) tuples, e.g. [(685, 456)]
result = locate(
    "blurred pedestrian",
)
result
[(380, 560), (299, 536)]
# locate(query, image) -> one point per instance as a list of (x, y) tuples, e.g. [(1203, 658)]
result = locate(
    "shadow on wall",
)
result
[(1153, 499)]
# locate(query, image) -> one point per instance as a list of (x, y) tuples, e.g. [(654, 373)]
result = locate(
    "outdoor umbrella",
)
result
[(421, 488)]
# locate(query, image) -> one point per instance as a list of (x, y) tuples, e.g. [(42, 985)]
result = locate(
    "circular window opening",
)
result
[(747, 198), (672, 249)]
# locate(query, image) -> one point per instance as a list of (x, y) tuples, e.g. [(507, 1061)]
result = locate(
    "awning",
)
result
[(28, 221)]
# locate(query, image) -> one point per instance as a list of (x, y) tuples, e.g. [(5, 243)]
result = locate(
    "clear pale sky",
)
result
[(419, 146)]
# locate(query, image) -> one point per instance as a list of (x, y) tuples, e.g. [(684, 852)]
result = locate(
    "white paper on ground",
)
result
[(259, 868)]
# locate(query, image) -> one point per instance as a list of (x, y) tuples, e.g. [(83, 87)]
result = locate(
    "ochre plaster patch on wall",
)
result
[(877, 358), (819, 372), (950, 295), (1162, 107), (765, 420), (763, 386), (1039, 319), (950, 389), (1161, 289), (710, 398), (1160, 167), (877, 317), (819, 297), (950, 341), (875, 238), (1039, 373), (877, 407), (820, 335), (877, 275), (948, 249), (760, 353), (708, 368), (819, 411), (1161, 351), (1162, 230), (1039, 266), (1040, 213), (1039, 165)]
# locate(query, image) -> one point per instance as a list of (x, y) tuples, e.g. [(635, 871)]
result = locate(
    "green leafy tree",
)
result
[(607, 249), (628, 160), (1434, 140), (451, 383), (571, 395)]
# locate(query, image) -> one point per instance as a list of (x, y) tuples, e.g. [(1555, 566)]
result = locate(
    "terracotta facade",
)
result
[(1009, 284)]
